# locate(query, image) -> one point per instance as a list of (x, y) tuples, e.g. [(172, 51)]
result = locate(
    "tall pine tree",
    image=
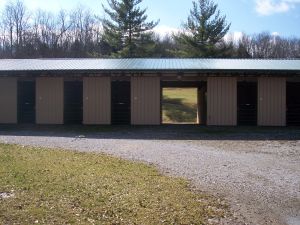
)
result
[(203, 31), (126, 29)]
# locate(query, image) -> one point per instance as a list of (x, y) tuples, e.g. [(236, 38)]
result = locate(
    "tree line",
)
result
[(124, 31)]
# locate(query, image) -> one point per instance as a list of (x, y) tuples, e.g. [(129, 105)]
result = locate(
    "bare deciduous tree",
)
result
[(79, 33)]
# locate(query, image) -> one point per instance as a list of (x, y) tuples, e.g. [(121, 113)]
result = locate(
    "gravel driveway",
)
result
[(258, 173)]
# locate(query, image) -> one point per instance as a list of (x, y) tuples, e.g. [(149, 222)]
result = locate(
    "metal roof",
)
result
[(146, 64)]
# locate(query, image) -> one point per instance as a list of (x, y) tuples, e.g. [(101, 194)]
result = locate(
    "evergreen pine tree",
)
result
[(126, 29), (203, 32)]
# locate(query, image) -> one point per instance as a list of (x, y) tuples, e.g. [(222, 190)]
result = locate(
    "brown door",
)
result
[(247, 103), (120, 105), (73, 102), (26, 102), (293, 103)]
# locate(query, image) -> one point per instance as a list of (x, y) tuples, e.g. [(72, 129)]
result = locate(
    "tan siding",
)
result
[(271, 101), (222, 101), (145, 100), (49, 100), (8, 100), (96, 100)]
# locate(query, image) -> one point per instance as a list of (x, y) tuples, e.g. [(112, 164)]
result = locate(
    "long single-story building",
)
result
[(129, 91)]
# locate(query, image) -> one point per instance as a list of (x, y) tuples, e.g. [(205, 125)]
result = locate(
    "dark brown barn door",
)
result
[(73, 102), (247, 103), (120, 105), (293, 104), (26, 102)]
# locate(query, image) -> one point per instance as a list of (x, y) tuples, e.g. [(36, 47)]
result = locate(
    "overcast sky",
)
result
[(250, 16)]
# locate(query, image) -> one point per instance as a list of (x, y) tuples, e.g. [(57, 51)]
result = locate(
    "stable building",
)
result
[(231, 92)]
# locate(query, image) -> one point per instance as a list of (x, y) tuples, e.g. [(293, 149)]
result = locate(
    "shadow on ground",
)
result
[(176, 111), (164, 132)]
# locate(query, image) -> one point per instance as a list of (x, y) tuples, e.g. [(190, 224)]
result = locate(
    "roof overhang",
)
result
[(203, 67)]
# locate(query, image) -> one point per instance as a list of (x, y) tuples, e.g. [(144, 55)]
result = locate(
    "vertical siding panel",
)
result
[(209, 103), (282, 84), (272, 101), (231, 115), (145, 100), (221, 101), (283, 95), (234, 101), (218, 100), (143, 106), (225, 103), (213, 90), (133, 100), (8, 100), (218, 88), (157, 96), (258, 102), (96, 100), (49, 100), (270, 105), (228, 105), (137, 106)]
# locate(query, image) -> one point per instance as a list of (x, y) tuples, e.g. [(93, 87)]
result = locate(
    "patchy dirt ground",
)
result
[(256, 171)]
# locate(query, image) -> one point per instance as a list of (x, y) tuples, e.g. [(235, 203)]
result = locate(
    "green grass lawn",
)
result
[(179, 105), (64, 187)]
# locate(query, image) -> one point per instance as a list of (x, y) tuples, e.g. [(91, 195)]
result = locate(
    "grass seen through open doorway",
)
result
[(179, 105)]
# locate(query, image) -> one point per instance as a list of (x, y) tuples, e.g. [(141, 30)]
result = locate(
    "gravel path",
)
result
[(260, 178)]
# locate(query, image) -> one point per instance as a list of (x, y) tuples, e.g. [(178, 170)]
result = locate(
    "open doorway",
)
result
[(26, 102), (183, 103)]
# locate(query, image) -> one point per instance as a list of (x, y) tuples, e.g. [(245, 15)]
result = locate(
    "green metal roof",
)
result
[(148, 64)]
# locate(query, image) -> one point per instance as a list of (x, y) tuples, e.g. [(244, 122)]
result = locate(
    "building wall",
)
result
[(271, 101), (49, 100), (145, 101), (96, 100), (8, 100), (222, 101)]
